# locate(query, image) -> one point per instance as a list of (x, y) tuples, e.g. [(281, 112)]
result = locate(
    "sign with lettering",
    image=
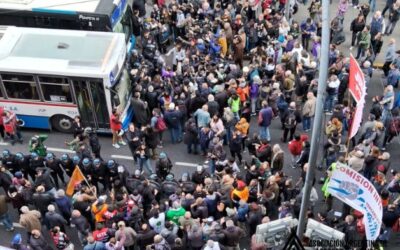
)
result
[(358, 192)]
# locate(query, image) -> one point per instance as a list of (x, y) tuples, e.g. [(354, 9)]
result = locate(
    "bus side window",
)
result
[(20, 86), (55, 89)]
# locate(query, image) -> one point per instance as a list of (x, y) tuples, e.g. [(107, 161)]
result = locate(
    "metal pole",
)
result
[(287, 11), (316, 133)]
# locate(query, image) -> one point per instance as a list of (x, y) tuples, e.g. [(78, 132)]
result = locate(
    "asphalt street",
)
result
[(184, 162)]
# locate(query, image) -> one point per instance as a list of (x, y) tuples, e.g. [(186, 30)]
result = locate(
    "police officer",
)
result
[(23, 163), (35, 162), (187, 186), (67, 164), (76, 161), (163, 166), (200, 174), (9, 162), (87, 167), (112, 171), (169, 187), (93, 142), (99, 175), (56, 168)]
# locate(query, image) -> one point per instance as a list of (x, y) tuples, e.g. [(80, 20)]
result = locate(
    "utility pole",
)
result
[(319, 110), (287, 11)]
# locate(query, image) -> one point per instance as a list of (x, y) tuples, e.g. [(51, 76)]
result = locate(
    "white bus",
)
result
[(93, 15), (49, 76)]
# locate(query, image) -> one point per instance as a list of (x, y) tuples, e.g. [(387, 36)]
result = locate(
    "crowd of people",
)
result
[(237, 66)]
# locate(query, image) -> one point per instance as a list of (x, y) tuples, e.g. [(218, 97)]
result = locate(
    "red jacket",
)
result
[(115, 124), (295, 147), (10, 123)]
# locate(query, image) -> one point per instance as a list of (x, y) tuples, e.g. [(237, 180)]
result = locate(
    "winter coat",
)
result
[(191, 133), (42, 201), (173, 118), (141, 114), (31, 220), (233, 235), (54, 219), (3, 205), (364, 40), (39, 244), (265, 117), (309, 107)]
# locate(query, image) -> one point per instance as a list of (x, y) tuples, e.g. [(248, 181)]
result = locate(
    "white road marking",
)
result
[(122, 157), (17, 225), (4, 143), (186, 164), (62, 150)]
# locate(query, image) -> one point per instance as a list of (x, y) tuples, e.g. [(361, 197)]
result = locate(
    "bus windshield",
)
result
[(123, 88)]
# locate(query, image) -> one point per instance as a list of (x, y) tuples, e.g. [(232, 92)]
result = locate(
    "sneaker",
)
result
[(10, 229), (293, 166), (159, 146), (122, 143), (116, 145)]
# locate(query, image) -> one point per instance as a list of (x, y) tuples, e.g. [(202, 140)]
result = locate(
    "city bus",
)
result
[(93, 15), (48, 76)]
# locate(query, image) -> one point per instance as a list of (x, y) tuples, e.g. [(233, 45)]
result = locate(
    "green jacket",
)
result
[(174, 214), (234, 104), (324, 188), (364, 39)]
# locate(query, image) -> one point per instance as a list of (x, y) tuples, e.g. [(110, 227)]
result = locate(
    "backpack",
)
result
[(290, 121), (160, 124), (394, 127)]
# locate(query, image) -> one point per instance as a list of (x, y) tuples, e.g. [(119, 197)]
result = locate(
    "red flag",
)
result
[(357, 118), (76, 178), (356, 80)]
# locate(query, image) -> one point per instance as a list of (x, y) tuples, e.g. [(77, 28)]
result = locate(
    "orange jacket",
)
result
[(242, 194), (98, 213), (243, 93)]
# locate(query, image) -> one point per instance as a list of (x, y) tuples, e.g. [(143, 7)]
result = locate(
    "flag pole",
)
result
[(86, 181), (315, 138)]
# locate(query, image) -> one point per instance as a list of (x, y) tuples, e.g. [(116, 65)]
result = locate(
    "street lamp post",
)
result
[(319, 110)]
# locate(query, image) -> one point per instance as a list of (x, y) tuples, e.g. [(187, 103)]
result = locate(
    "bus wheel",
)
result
[(62, 123)]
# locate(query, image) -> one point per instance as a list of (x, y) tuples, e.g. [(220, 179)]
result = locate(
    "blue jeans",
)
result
[(330, 102), (385, 115), (236, 115), (146, 163), (372, 5), (211, 164), (307, 123), (264, 133), (5, 219), (195, 148), (176, 134), (360, 52)]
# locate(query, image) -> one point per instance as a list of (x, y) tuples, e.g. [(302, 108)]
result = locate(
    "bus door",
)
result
[(91, 101)]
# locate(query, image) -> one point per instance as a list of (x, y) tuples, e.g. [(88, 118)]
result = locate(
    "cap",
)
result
[(17, 239), (96, 161), (137, 172), (34, 155), (163, 155), (18, 175), (169, 177), (210, 219)]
